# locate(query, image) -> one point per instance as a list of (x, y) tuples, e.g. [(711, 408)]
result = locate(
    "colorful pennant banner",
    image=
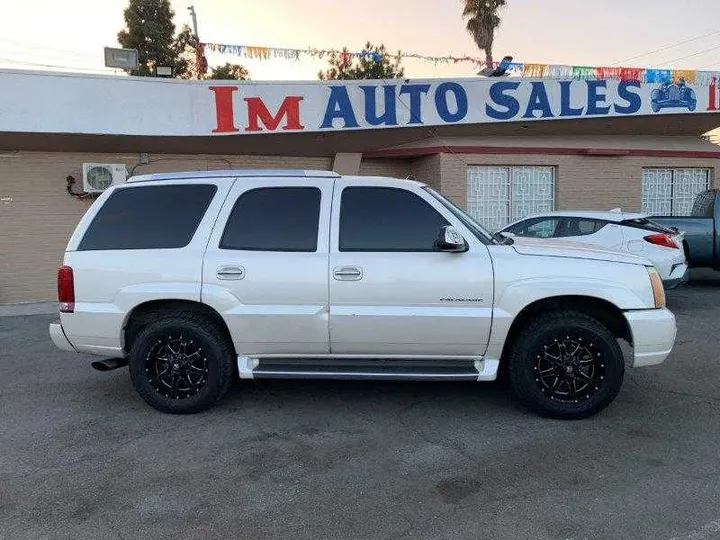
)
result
[(516, 68)]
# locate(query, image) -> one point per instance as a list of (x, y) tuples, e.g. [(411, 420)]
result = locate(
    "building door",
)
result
[(391, 291), (671, 192), (497, 196)]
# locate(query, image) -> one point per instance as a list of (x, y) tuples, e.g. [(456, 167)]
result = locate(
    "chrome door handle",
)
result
[(347, 273), (230, 272)]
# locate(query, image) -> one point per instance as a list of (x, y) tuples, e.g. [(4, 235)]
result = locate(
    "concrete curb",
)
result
[(31, 308)]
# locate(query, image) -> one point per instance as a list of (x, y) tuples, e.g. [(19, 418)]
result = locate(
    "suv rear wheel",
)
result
[(566, 365), (181, 364)]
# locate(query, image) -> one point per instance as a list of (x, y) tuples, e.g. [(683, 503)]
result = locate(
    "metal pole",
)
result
[(191, 9)]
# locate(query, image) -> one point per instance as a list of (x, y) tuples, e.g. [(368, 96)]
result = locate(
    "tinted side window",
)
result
[(274, 219), (535, 228), (148, 217), (387, 219), (579, 227)]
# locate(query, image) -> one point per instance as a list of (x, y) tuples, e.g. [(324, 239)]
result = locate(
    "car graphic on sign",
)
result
[(673, 96)]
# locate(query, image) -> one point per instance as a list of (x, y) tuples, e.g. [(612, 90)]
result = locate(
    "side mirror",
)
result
[(450, 240)]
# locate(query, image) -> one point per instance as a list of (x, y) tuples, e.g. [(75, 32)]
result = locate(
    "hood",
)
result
[(574, 250)]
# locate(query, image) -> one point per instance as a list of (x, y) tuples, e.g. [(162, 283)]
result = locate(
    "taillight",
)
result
[(66, 289), (662, 239)]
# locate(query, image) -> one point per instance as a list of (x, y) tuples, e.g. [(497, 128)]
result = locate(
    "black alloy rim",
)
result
[(569, 370), (176, 367)]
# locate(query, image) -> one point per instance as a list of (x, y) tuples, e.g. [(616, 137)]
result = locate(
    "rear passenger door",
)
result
[(590, 231), (266, 265)]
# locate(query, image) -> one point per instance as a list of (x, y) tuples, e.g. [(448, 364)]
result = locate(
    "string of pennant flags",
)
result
[(522, 69)]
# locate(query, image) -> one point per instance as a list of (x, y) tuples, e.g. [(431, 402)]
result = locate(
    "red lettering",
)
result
[(224, 109), (713, 95), (258, 112)]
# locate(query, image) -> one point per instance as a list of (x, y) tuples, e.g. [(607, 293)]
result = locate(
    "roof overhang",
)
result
[(374, 141)]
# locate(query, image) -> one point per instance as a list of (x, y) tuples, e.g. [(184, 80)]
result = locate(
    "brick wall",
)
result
[(428, 170), (37, 215), (582, 182), (425, 169), (393, 168)]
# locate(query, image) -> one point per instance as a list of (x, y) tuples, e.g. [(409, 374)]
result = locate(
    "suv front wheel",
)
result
[(181, 363), (566, 365)]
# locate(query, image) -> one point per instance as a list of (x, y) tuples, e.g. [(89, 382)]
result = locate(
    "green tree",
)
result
[(376, 63), (150, 30), (230, 72), (482, 20)]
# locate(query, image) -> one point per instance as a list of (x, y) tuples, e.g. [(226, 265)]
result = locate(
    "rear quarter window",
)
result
[(148, 217)]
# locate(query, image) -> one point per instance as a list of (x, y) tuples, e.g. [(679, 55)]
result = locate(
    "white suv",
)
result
[(197, 278)]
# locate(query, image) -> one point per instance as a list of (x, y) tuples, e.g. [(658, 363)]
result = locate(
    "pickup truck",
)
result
[(701, 228), (197, 279)]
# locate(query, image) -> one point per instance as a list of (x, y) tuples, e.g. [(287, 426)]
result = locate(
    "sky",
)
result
[(71, 34)]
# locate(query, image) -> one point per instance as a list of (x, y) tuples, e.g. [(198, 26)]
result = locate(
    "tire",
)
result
[(595, 370), (200, 358)]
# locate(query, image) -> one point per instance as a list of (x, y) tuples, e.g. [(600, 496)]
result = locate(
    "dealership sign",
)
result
[(40, 102), (365, 106)]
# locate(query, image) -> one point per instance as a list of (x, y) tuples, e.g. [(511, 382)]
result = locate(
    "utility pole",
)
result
[(191, 9), (200, 58)]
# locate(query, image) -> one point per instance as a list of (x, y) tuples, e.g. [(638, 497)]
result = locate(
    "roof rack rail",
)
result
[(235, 173)]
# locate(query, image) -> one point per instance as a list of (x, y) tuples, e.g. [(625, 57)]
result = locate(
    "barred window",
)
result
[(498, 195), (672, 192)]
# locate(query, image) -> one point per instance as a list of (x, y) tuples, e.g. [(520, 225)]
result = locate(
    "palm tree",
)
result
[(482, 21)]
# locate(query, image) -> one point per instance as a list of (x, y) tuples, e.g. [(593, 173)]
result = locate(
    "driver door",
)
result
[(391, 291)]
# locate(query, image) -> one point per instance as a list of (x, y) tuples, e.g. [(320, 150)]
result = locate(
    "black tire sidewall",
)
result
[(218, 355), (523, 358)]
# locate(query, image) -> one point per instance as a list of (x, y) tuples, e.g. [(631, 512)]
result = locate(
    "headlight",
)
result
[(657, 287)]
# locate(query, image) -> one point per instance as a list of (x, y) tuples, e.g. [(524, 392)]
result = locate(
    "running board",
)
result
[(363, 368)]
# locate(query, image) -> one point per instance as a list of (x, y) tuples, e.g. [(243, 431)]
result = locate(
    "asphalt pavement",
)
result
[(83, 457)]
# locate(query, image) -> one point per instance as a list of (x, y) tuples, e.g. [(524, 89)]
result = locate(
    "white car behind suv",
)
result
[(633, 233), (195, 279)]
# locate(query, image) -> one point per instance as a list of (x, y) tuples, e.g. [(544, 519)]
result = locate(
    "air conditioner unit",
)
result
[(97, 177)]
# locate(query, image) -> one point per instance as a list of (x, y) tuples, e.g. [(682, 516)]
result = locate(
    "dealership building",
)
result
[(501, 148)]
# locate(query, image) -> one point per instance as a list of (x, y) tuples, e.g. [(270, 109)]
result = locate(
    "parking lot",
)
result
[(82, 457)]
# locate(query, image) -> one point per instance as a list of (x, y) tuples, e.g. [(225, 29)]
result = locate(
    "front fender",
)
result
[(518, 295), (625, 286)]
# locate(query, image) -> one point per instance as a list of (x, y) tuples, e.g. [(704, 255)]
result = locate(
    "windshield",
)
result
[(481, 234)]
